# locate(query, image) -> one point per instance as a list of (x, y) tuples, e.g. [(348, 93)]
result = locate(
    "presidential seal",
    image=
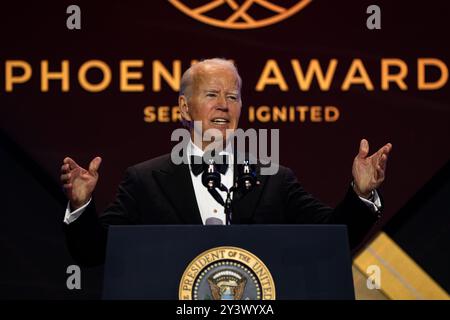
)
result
[(227, 273)]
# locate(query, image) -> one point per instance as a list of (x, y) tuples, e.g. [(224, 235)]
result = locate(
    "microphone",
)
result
[(246, 176), (213, 222), (211, 180), (211, 177)]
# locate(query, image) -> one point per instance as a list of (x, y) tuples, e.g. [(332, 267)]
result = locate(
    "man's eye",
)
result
[(211, 94), (234, 98)]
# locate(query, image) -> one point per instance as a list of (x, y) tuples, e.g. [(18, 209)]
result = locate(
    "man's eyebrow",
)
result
[(217, 91)]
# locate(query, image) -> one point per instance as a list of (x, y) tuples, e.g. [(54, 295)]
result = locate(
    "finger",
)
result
[(67, 186), (386, 148), (65, 177), (383, 161), (94, 165), (65, 168), (389, 147), (380, 175), (67, 189), (382, 151), (363, 149), (72, 164)]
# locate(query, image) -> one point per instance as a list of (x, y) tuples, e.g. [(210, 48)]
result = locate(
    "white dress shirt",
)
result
[(207, 205)]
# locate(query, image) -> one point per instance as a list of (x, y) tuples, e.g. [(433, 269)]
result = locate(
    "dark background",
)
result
[(40, 128)]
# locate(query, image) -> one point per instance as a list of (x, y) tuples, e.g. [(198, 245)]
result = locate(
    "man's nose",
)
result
[(222, 103)]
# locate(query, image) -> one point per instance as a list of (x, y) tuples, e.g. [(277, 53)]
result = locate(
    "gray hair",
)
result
[(188, 75)]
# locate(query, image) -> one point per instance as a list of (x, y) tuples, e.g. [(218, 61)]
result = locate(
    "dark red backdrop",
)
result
[(52, 125)]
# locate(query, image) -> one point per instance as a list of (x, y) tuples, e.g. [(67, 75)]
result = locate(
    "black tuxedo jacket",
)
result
[(159, 192)]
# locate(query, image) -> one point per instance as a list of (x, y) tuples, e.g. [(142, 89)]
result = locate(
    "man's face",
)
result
[(215, 98)]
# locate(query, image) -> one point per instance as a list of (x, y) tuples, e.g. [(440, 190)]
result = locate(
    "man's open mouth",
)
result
[(220, 121)]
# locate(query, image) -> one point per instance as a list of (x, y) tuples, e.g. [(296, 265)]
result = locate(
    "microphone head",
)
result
[(246, 176), (213, 222), (211, 177)]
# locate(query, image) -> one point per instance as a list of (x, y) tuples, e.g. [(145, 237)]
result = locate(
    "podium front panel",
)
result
[(305, 261)]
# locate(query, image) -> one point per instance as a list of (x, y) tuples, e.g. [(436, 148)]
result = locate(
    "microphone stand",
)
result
[(227, 204), (246, 180)]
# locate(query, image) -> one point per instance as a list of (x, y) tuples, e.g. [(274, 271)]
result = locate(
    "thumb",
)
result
[(363, 149), (94, 165)]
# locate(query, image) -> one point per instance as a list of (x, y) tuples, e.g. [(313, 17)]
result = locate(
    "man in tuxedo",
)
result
[(158, 191)]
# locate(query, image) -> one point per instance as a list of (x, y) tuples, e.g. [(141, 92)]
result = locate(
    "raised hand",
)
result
[(78, 182), (369, 172)]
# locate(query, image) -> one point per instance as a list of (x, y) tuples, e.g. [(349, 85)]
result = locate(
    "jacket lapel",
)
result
[(176, 184)]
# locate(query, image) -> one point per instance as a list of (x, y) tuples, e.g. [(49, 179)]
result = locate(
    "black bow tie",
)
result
[(199, 164)]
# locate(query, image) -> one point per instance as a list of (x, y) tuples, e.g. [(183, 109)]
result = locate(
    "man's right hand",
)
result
[(79, 183)]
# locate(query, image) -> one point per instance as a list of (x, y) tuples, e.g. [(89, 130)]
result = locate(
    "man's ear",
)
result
[(184, 108)]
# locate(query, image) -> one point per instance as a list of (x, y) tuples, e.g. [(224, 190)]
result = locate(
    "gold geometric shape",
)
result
[(361, 290), (401, 277), (240, 12)]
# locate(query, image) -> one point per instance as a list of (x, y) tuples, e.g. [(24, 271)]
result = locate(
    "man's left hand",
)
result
[(369, 172)]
